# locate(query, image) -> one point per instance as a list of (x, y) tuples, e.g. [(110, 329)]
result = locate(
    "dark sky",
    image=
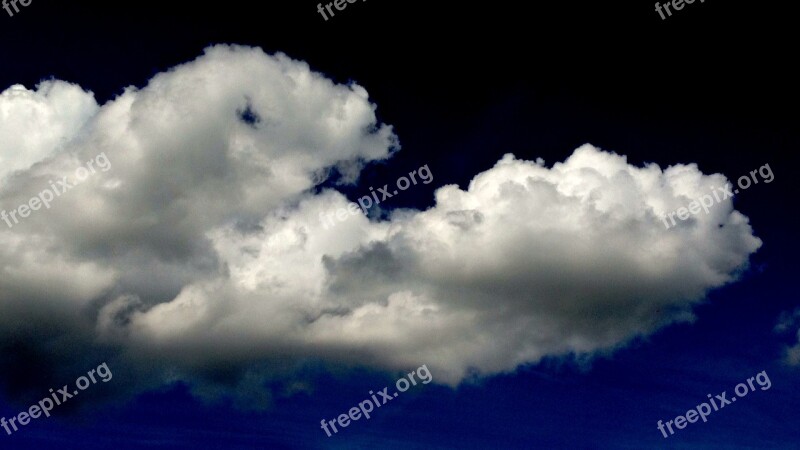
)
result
[(463, 84)]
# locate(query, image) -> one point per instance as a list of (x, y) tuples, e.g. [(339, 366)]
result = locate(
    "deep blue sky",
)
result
[(463, 85)]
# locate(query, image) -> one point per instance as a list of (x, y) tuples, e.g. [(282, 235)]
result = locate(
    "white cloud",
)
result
[(527, 262), (36, 124), (202, 246)]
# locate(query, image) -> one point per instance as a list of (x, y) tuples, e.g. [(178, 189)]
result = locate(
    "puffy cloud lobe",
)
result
[(202, 248), (186, 161), (214, 143), (36, 123), (527, 262)]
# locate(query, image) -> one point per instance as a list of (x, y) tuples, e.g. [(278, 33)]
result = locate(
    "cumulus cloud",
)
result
[(35, 124), (201, 251)]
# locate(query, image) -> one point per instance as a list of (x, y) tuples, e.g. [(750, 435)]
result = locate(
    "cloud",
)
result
[(37, 123), (199, 256)]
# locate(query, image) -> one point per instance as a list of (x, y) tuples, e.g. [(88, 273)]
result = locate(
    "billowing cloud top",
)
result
[(36, 124), (201, 250)]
